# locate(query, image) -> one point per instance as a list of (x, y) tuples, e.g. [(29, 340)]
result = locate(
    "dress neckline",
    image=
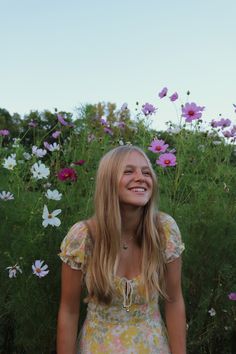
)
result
[(128, 280)]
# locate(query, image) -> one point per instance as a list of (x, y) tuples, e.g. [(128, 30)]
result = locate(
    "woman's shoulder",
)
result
[(82, 229), (77, 245), (165, 218), (174, 244)]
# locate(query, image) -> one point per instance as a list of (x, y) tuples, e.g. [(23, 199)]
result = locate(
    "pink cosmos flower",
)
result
[(32, 124), (46, 145), (224, 122), (158, 146), (4, 132), (214, 123), (227, 134), (63, 121), (191, 111), (174, 96), (232, 296), (148, 109), (103, 121), (67, 174), (233, 130), (108, 131), (56, 134), (121, 125), (163, 92), (166, 160)]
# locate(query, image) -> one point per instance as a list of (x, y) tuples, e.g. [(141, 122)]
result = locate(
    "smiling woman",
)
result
[(127, 255)]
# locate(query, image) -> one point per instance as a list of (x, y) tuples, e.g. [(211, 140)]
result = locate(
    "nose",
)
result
[(138, 175)]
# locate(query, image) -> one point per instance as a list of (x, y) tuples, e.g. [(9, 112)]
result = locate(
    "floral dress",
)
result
[(129, 324)]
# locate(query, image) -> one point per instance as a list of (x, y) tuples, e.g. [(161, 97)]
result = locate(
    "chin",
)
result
[(134, 203)]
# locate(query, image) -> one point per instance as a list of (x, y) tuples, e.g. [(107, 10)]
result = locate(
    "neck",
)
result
[(130, 219)]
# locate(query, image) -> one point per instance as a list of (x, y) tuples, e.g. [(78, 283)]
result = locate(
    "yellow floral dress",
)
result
[(130, 324)]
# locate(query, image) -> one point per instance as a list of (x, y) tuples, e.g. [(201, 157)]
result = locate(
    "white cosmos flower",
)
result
[(26, 155), (53, 147), (10, 162), (38, 152), (54, 195), (12, 271), (39, 269), (6, 196), (50, 218), (39, 170), (212, 312)]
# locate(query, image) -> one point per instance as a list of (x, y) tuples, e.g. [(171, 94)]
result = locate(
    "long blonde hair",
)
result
[(107, 231)]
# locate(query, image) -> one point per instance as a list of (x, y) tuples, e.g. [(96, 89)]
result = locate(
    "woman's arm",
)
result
[(68, 315), (175, 309)]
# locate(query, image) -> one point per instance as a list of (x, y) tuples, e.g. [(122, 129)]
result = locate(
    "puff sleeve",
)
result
[(76, 248), (174, 244)]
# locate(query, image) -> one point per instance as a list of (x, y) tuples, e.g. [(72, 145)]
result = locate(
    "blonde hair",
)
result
[(107, 238)]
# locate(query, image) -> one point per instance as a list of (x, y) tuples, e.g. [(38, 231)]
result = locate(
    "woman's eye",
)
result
[(147, 173), (127, 172)]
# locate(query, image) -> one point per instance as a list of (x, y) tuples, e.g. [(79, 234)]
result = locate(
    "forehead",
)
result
[(135, 158)]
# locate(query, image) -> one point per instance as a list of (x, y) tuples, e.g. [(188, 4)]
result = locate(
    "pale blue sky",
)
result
[(66, 53)]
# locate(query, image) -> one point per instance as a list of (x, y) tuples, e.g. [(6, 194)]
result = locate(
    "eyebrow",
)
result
[(133, 166)]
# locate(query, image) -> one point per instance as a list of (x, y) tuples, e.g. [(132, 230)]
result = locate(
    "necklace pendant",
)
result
[(125, 247)]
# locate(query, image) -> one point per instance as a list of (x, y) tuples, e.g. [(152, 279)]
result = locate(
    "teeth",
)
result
[(138, 189)]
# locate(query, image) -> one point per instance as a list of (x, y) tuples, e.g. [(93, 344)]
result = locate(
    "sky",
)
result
[(64, 54)]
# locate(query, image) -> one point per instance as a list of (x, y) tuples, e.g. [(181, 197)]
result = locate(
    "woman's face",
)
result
[(136, 185)]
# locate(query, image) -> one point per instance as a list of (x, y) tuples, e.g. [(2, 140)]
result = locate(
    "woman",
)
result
[(127, 255)]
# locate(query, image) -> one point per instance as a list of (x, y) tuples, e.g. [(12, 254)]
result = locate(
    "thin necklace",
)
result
[(125, 245)]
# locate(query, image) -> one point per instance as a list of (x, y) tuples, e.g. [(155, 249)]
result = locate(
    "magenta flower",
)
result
[(4, 132), (163, 92), (191, 111), (174, 96), (166, 160), (56, 134), (63, 121), (232, 296), (67, 174), (148, 109), (158, 146)]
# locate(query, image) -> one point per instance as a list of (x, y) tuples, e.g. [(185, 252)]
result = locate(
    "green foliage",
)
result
[(199, 192)]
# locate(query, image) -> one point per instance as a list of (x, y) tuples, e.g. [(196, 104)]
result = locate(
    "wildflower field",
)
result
[(48, 163)]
